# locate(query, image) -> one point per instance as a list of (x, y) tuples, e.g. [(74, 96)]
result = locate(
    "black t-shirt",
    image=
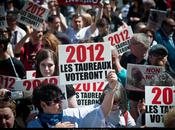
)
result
[(128, 57), (7, 69)]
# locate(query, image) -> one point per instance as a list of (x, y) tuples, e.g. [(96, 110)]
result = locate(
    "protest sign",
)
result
[(78, 2), (120, 39), (140, 75), (158, 100), (7, 82), (83, 63), (155, 18), (28, 85), (31, 74), (89, 93), (33, 14)]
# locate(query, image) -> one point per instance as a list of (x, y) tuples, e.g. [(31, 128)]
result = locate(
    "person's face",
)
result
[(169, 27), (77, 23), (47, 67), (7, 118), (107, 10), (11, 23), (139, 50), (56, 23), (37, 36), (52, 107), (158, 59), (150, 36)]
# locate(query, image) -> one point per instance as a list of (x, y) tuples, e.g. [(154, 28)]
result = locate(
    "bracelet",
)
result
[(109, 90)]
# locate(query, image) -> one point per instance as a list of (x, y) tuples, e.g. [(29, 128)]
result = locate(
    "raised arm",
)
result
[(109, 94), (21, 43)]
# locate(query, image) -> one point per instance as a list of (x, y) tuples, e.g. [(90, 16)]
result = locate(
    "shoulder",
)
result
[(34, 124)]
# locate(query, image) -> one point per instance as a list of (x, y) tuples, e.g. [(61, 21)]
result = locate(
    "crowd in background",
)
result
[(23, 48)]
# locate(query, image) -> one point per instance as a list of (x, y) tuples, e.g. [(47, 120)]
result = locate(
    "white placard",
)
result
[(83, 63), (33, 14)]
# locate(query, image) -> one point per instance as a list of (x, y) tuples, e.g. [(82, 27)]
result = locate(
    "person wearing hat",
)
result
[(157, 56)]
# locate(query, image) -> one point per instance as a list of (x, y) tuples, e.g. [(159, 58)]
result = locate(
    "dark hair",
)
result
[(45, 92), (42, 55), (102, 22), (5, 39), (51, 18)]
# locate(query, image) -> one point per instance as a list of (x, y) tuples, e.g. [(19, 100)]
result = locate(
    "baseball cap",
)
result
[(158, 49)]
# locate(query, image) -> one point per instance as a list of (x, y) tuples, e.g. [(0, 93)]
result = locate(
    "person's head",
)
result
[(139, 26), (46, 63), (139, 45), (149, 32), (120, 98), (54, 23), (168, 26), (7, 112), (107, 9), (102, 25), (169, 119), (87, 19), (4, 39), (158, 55), (48, 98), (77, 22), (12, 19), (50, 41), (37, 35)]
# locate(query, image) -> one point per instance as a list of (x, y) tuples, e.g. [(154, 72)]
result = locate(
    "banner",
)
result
[(140, 75), (120, 39), (155, 18), (158, 100), (33, 14), (7, 82), (78, 2), (31, 74), (83, 63), (28, 85), (89, 93)]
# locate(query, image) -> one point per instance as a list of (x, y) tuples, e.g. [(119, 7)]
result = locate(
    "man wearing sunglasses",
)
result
[(48, 99)]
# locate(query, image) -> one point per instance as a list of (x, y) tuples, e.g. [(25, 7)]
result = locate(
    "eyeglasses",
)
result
[(55, 101)]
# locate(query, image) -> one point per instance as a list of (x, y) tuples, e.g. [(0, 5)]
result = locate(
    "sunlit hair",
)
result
[(140, 38), (52, 42), (42, 55)]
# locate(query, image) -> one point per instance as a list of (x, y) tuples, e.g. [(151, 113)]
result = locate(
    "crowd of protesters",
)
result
[(24, 48)]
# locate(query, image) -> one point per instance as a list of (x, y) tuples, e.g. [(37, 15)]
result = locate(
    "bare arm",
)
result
[(109, 96), (21, 43)]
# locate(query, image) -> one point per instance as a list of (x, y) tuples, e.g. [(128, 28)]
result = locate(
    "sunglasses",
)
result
[(55, 101)]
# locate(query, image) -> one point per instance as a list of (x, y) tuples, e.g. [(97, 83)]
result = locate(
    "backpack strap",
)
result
[(126, 117)]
